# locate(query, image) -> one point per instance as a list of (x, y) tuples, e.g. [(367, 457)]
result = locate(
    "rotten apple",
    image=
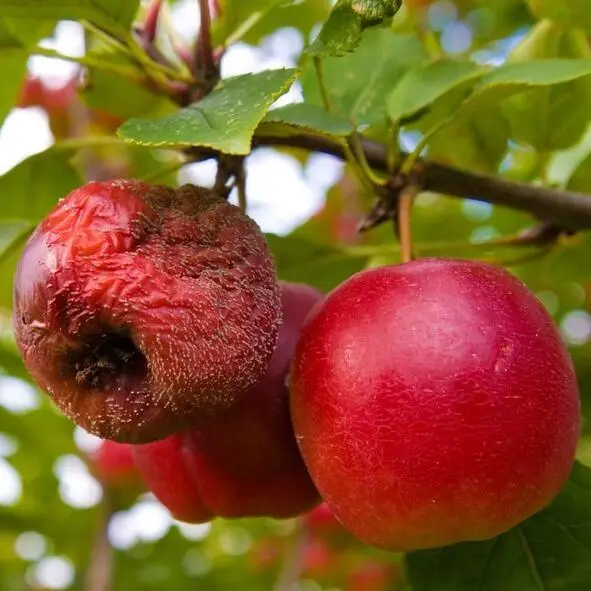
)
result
[(143, 309)]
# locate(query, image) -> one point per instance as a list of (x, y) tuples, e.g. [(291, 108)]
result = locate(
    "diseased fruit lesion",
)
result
[(180, 270), (102, 361)]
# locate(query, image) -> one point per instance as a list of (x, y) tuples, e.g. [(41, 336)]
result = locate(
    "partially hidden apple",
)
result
[(434, 402), (372, 575), (112, 463), (322, 523), (141, 309), (244, 462)]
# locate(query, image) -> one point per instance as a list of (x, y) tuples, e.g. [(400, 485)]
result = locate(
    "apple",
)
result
[(266, 553), (434, 402), (371, 575), (64, 109), (113, 464), (245, 461), (56, 100), (322, 523), (143, 309), (318, 559)]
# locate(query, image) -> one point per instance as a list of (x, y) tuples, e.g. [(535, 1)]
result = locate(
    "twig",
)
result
[(90, 62), (404, 225), (241, 187), (98, 575), (566, 209), (205, 59), (228, 167)]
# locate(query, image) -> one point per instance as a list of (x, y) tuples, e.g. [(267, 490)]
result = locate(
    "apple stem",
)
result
[(294, 558), (404, 221), (231, 167), (98, 575), (241, 187), (205, 59)]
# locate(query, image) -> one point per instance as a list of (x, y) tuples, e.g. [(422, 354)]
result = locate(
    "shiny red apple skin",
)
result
[(141, 308), (434, 402), (163, 468), (245, 462)]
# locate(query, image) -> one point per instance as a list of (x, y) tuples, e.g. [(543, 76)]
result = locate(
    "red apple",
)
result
[(371, 575), (142, 309), (321, 522), (265, 554), (434, 402), (64, 108), (113, 463), (56, 100), (318, 559), (245, 462), (163, 468)]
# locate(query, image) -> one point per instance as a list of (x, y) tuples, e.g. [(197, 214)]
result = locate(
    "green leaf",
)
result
[(339, 35), (374, 12), (510, 79), (305, 117), (581, 177), (359, 83), (550, 551), (569, 13), (307, 261), (225, 120), (553, 117), (342, 31), (27, 193), (422, 86), (16, 37), (32, 188), (25, 32), (132, 100), (115, 17), (11, 362), (12, 234), (252, 20), (480, 128), (476, 143)]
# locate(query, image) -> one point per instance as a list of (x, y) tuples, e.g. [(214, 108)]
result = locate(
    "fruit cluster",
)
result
[(427, 403)]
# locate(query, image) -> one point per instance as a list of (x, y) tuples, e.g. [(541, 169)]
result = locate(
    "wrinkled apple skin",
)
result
[(245, 462), (434, 402), (164, 470), (141, 308)]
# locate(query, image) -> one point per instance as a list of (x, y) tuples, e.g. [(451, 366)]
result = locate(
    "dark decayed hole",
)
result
[(108, 361)]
